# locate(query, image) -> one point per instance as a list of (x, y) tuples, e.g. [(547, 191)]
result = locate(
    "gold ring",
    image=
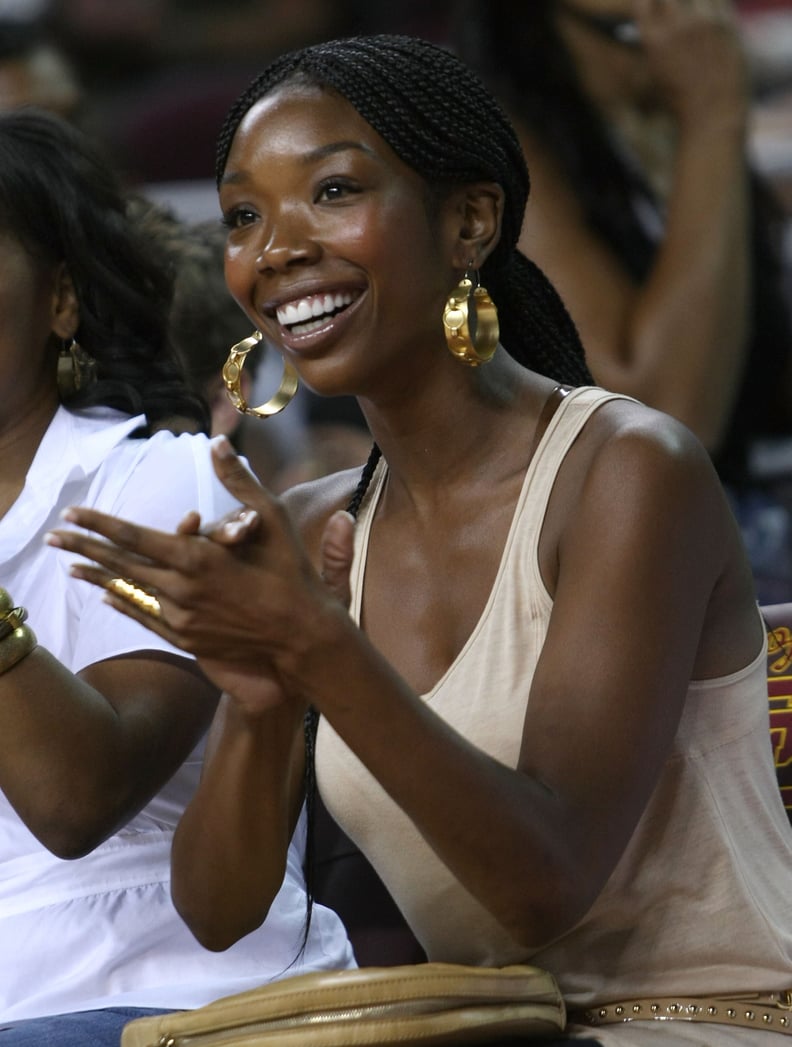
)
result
[(138, 597)]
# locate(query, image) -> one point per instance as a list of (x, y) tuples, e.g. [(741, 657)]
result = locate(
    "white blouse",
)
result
[(101, 931)]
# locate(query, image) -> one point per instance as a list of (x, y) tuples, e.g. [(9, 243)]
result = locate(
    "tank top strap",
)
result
[(362, 533), (569, 417), (565, 413)]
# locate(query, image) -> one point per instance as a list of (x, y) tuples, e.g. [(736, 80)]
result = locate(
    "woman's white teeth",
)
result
[(307, 314)]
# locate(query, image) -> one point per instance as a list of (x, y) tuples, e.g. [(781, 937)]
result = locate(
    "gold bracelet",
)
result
[(16, 646), (6, 603), (12, 620), (10, 617), (16, 639)]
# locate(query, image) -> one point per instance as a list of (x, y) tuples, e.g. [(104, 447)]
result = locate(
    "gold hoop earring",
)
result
[(232, 372), (76, 369), (470, 322)]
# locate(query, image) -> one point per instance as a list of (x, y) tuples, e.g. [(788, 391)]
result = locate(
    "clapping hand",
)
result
[(240, 594)]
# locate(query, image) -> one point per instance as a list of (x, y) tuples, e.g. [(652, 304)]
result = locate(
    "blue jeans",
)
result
[(81, 1029)]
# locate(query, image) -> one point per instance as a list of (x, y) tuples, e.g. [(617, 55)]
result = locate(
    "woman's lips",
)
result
[(303, 315), (306, 320)]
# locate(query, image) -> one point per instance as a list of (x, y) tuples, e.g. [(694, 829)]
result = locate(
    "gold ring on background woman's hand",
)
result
[(144, 601)]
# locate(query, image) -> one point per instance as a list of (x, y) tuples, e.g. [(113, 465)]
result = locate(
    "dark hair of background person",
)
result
[(443, 123), (62, 202), (521, 56), (204, 319)]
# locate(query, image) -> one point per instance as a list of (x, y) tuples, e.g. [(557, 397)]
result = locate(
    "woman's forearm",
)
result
[(229, 851), (81, 754), (688, 334)]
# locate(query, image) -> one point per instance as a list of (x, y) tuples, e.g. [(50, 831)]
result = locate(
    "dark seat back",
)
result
[(345, 881)]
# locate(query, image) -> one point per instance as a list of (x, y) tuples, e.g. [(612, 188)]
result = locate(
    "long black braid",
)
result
[(441, 121)]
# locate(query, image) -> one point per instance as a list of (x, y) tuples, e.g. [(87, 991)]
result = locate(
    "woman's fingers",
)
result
[(151, 547), (160, 563), (105, 560), (123, 537), (143, 605), (337, 549), (190, 523), (235, 529), (174, 583), (236, 477)]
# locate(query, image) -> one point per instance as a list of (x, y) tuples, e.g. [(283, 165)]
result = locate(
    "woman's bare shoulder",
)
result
[(642, 467), (624, 426), (633, 462), (311, 503)]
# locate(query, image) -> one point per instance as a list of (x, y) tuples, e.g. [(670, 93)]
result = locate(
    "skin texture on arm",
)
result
[(678, 341), (237, 827), (83, 754), (634, 584), (251, 789)]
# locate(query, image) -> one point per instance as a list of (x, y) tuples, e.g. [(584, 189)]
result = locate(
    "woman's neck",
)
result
[(20, 439), (450, 437)]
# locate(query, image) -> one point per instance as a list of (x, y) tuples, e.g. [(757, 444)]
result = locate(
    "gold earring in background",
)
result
[(76, 369), (232, 372), (470, 321)]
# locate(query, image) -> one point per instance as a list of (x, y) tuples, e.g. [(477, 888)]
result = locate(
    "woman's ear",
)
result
[(478, 212), (65, 306)]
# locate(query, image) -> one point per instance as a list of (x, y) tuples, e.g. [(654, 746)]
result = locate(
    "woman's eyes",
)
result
[(237, 217), (332, 189), (329, 190)]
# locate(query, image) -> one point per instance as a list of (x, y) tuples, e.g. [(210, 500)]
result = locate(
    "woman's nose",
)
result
[(285, 244)]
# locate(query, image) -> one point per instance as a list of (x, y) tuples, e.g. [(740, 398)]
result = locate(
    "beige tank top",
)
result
[(701, 900)]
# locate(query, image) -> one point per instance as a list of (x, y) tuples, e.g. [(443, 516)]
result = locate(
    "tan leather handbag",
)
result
[(422, 1004)]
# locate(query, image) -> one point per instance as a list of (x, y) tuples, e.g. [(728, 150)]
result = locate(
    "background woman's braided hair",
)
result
[(441, 121), (60, 199)]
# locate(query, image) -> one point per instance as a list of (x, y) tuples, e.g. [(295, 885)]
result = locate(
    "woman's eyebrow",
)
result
[(336, 147), (233, 177)]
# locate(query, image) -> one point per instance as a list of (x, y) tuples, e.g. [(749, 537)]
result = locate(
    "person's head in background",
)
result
[(94, 296), (34, 68), (204, 320)]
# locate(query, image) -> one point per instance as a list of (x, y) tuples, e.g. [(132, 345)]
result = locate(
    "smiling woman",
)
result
[(528, 627), (340, 191)]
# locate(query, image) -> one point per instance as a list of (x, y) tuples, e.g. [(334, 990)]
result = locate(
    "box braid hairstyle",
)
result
[(440, 120), (59, 197)]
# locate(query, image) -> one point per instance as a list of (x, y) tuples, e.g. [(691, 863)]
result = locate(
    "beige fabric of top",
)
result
[(700, 902)]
